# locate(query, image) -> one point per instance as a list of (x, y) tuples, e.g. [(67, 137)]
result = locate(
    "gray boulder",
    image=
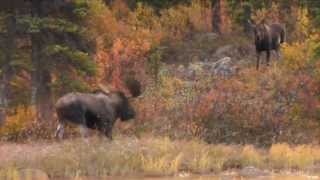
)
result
[(206, 36), (222, 67), (252, 172), (223, 51)]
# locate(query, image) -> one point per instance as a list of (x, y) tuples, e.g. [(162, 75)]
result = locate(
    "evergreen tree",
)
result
[(7, 39), (56, 50), (220, 16)]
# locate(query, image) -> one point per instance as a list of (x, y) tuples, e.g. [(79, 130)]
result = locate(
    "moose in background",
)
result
[(267, 38)]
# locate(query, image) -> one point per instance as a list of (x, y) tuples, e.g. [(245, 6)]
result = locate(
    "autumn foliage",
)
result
[(143, 41)]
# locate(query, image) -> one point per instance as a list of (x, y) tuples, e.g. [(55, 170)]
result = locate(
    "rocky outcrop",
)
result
[(223, 51), (208, 54), (224, 67)]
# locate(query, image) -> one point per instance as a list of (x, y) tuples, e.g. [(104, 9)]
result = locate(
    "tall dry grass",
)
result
[(148, 156)]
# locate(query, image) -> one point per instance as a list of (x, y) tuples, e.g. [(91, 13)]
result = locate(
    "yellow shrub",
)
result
[(284, 156), (295, 55), (144, 16), (200, 15), (17, 122), (250, 156), (299, 54), (175, 21), (180, 20), (267, 14), (169, 89), (302, 23)]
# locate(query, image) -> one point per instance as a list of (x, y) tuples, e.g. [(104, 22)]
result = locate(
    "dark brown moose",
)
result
[(267, 38), (98, 110)]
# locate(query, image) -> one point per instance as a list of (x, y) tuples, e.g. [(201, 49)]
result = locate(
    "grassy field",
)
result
[(149, 157)]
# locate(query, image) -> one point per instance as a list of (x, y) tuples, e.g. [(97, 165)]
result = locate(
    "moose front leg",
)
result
[(83, 131), (268, 57), (108, 133), (60, 131), (258, 60)]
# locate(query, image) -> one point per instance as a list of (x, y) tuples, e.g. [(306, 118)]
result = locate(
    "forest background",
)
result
[(49, 48)]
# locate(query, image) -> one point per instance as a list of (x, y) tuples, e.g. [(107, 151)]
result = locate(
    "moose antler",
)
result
[(134, 86), (102, 89)]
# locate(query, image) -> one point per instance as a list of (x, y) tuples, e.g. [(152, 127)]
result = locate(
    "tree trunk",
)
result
[(220, 20), (41, 76), (44, 100), (247, 27), (7, 71)]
